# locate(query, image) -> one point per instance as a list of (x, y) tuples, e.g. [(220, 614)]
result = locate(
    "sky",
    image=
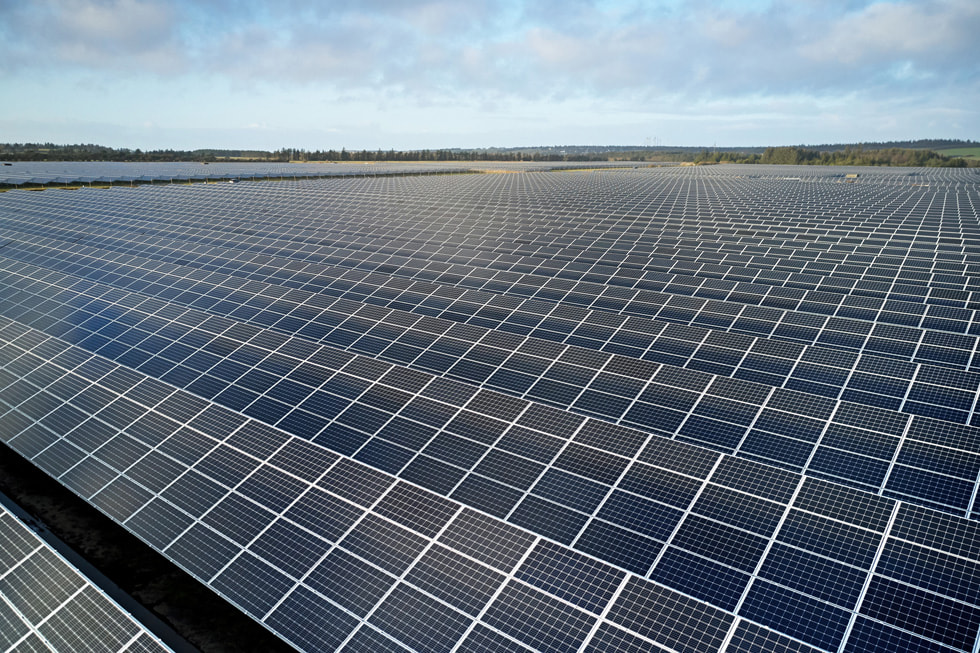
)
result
[(429, 74)]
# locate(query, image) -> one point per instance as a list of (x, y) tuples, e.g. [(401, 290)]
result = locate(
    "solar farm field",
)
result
[(726, 408)]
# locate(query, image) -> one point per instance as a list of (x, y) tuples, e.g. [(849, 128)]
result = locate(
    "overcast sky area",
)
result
[(407, 74)]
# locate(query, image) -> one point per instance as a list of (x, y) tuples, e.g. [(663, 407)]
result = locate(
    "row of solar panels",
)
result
[(613, 260), (875, 380), (48, 605), (729, 543), (62, 172), (89, 172), (856, 175)]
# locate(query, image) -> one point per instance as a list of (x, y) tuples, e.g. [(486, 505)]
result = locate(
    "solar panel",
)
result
[(48, 605), (550, 411)]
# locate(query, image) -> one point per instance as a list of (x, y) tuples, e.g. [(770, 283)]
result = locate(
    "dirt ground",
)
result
[(193, 611)]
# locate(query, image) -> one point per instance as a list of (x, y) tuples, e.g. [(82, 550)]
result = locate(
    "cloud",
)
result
[(482, 59), (136, 35), (487, 50), (884, 32)]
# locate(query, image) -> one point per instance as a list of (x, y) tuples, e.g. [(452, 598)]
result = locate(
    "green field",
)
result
[(962, 151)]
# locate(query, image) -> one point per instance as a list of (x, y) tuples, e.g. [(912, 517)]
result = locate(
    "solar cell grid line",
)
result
[(699, 493), (758, 570), (940, 492), (422, 638), (428, 547), (874, 565), (48, 605)]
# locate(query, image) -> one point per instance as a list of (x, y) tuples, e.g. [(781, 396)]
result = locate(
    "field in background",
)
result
[(965, 152)]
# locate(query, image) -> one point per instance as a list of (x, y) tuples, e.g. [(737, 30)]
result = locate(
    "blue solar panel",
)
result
[(601, 411)]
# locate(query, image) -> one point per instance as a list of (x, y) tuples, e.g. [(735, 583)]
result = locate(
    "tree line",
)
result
[(796, 155), (91, 152), (848, 156)]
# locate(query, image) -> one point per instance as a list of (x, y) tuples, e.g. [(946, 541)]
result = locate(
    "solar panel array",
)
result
[(47, 605), (23, 173), (619, 410)]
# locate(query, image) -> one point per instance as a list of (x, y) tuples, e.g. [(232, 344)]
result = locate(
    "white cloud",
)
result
[(884, 31), (482, 62), (137, 35)]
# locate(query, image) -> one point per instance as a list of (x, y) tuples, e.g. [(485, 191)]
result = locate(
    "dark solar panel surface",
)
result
[(680, 409), (47, 605)]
